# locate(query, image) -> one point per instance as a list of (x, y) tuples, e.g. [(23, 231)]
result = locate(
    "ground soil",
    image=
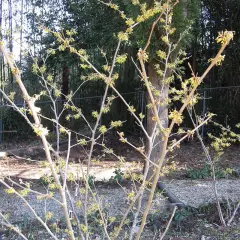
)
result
[(195, 224)]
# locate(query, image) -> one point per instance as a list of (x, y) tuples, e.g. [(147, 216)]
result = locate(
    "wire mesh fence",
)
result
[(222, 101), (11, 120)]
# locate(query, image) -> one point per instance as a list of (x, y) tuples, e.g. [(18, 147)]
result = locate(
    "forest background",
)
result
[(95, 25)]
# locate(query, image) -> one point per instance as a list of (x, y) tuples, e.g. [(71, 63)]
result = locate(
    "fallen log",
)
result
[(170, 196)]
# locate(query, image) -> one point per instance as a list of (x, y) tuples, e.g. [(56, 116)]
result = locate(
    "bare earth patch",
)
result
[(193, 193)]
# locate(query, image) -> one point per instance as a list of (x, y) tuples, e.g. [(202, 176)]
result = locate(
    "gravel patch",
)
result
[(200, 192), (193, 193), (114, 200)]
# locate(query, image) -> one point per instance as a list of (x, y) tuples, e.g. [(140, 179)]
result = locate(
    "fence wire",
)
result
[(223, 101)]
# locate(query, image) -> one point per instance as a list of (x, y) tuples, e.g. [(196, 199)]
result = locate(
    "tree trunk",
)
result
[(155, 146), (64, 91), (1, 55), (10, 38), (65, 81), (1, 14), (21, 34)]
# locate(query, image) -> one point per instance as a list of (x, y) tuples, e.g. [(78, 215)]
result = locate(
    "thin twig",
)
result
[(213, 173), (31, 209), (169, 222), (66, 161), (233, 215), (196, 128), (31, 103), (12, 227)]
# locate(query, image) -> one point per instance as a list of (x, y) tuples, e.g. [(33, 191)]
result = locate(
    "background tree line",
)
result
[(95, 24)]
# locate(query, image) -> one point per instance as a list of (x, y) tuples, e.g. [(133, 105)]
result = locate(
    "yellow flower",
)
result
[(176, 116), (130, 22), (219, 60), (123, 36), (224, 37)]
